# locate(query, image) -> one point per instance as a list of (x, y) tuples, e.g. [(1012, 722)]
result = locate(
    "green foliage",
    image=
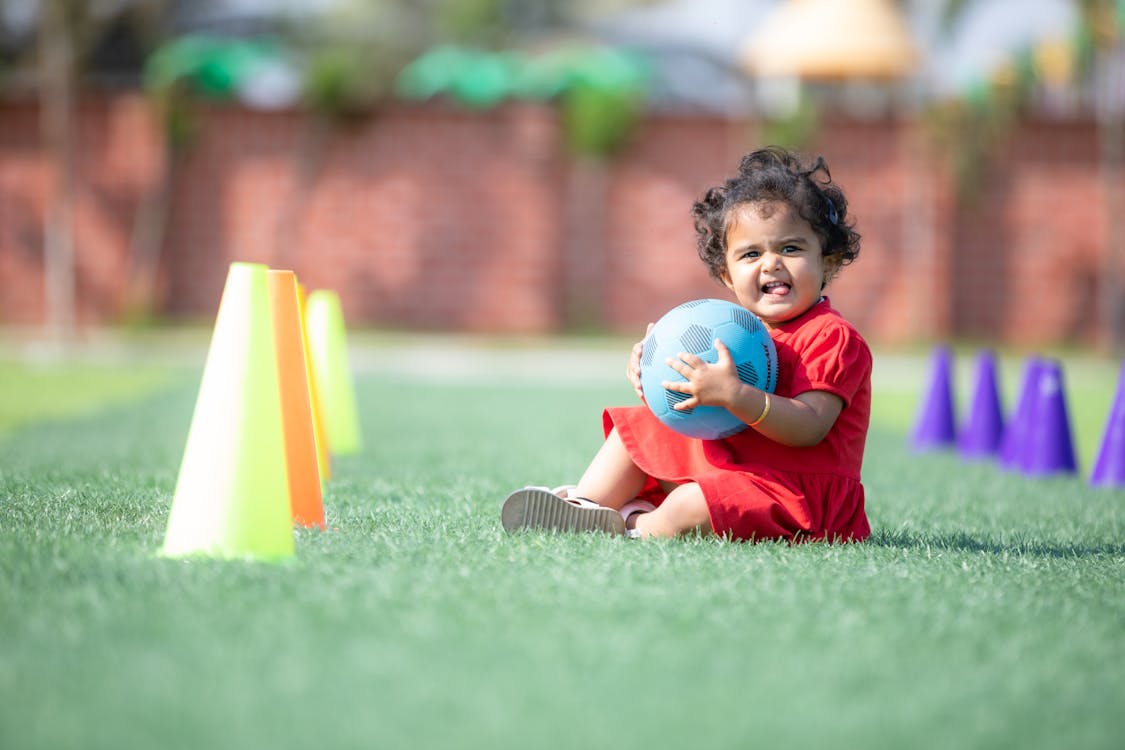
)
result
[(352, 54), (475, 22), (598, 121), (601, 92), (198, 65), (984, 612), (970, 127), (479, 80), (797, 130), (337, 83)]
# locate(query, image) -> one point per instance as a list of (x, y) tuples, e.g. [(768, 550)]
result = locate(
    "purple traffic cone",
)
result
[(935, 427), (1012, 445), (981, 435), (1049, 448), (1109, 467)]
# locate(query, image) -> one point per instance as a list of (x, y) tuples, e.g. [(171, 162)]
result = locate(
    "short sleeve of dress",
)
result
[(836, 359)]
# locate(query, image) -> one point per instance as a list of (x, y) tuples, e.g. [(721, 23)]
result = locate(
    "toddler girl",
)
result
[(774, 234)]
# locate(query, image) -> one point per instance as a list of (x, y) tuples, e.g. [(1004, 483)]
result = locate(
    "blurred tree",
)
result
[(72, 38), (357, 50), (351, 54), (1103, 23), (350, 51), (56, 93), (1092, 64)]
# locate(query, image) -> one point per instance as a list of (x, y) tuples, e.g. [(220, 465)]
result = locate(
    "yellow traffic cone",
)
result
[(323, 462), (296, 410), (232, 495), (332, 371)]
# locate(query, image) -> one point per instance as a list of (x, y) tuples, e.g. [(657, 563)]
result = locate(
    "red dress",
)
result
[(759, 489)]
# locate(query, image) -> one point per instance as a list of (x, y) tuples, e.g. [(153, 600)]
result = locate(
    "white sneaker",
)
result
[(567, 492), (540, 508), (636, 506)]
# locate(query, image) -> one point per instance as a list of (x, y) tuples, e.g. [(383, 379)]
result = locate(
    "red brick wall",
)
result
[(22, 189), (434, 217), (1028, 254), (674, 161), (652, 261), (417, 218)]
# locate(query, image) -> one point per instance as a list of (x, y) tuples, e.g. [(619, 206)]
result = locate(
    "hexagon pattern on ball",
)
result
[(692, 327)]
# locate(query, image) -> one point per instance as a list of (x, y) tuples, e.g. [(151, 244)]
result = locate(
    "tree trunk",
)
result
[(308, 159), (584, 246), (57, 116), (147, 245)]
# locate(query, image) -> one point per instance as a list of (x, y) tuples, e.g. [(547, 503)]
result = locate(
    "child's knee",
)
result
[(690, 504)]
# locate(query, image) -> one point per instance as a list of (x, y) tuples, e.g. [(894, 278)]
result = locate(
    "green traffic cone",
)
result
[(232, 495), (332, 373)]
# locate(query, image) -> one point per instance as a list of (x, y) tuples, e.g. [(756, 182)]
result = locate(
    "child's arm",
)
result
[(797, 422)]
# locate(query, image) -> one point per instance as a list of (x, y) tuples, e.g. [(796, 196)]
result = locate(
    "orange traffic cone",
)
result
[(296, 409)]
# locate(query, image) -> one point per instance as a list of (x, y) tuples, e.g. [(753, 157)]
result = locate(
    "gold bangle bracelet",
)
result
[(765, 412)]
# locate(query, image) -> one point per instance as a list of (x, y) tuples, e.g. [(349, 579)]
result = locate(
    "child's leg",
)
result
[(611, 479), (684, 511)]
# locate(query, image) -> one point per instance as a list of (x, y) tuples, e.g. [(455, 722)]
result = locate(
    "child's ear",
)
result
[(832, 265), (724, 276)]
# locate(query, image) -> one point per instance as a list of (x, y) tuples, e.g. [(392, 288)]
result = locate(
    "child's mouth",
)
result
[(779, 288)]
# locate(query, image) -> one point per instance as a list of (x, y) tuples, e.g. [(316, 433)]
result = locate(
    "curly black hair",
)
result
[(776, 174)]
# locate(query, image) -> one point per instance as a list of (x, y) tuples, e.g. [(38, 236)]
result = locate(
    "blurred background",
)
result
[(528, 166)]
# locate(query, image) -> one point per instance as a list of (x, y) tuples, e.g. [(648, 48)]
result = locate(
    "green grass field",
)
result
[(986, 611)]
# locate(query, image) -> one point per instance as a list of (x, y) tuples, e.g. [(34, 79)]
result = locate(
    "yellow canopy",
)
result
[(832, 39)]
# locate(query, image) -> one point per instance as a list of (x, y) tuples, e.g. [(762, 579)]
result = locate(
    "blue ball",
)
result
[(693, 327)]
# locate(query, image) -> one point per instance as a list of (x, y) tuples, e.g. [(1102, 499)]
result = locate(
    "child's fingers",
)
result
[(680, 386), (637, 351), (639, 346), (635, 381), (681, 367), (723, 351), (685, 359), (687, 403), (633, 368)]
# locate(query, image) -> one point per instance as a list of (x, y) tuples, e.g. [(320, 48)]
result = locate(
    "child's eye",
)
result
[(750, 254), (790, 249)]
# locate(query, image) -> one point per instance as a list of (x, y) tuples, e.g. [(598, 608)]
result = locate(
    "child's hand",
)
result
[(707, 384), (633, 371), (798, 422)]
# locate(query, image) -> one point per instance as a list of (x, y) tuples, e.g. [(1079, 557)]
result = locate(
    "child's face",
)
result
[(774, 263)]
